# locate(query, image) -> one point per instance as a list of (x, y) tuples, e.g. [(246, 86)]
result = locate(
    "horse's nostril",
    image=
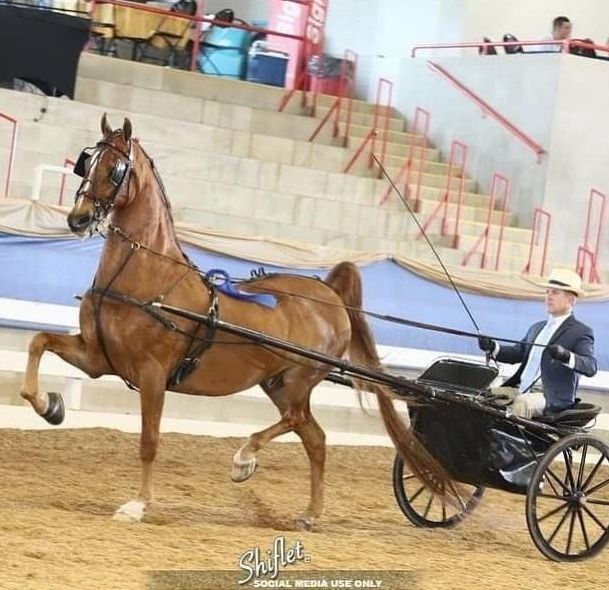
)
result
[(80, 222)]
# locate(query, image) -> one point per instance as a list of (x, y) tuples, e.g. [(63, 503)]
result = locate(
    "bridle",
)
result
[(119, 177)]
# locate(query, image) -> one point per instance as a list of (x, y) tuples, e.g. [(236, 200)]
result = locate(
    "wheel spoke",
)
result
[(570, 537), (582, 466), (428, 506), (569, 469), (551, 484), (407, 476), (559, 525), (594, 518), (599, 502), (416, 495), (583, 528), (596, 488), (550, 497), (553, 512), (558, 481), (593, 473)]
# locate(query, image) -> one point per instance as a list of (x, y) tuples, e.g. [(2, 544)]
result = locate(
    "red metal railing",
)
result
[(586, 248), (200, 18), (346, 91), (372, 135), (456, 170), (537, 215), (11, 155), (565, 45), (583, 255), (487, 109), (66, 162), (420, 140), (498, 179)]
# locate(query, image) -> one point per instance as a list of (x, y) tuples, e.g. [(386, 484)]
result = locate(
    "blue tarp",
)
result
[(52, 271)]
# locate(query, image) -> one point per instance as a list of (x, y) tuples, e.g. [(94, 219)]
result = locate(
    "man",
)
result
[(547, 378), (561, 30)]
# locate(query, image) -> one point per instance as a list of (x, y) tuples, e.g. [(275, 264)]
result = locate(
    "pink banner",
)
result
[(294, 18)]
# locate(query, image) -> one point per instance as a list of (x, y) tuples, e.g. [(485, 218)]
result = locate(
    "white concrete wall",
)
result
[(383, 33), (578, 152), (523, 90), (247, 10), (533, 20)]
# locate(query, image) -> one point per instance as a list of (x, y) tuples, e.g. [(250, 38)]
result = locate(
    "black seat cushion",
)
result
[(578, 415)]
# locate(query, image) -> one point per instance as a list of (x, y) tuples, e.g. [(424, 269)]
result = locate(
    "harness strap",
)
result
[(195, 349), (97, 313)]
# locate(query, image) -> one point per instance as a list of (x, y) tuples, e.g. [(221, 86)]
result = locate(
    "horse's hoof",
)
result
[(56, 411), (132, 511), (305, 523), (242, 471)]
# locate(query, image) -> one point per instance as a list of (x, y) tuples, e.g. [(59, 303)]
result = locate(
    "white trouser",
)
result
[(526, 405)]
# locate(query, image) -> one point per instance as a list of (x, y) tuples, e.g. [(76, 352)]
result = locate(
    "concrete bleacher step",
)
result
[(196, 85)]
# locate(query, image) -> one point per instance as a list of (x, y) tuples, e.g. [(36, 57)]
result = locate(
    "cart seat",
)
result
[(579, 415), (458, 375)]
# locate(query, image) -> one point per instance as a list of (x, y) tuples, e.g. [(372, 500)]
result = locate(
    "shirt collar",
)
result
[(559, 319)]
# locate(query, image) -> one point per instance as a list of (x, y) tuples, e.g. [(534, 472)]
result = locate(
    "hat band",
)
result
[(561, 284)]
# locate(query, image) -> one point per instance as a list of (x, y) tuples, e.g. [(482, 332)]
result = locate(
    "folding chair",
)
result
[(168, 42)]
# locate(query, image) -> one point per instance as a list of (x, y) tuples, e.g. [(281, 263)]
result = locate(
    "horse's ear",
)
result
[(127, 129), (105, 127)]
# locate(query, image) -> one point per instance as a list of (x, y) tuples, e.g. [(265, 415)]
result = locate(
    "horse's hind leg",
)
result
[(72, 349), (314, 441), (293, 405)]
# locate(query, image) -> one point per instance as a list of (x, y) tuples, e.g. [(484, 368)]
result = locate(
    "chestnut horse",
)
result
[(121, 194)]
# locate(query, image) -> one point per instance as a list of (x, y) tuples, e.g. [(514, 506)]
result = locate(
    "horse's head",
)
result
[(105, 170)]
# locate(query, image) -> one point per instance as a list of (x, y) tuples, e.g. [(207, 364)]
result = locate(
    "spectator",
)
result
[(561, 30)]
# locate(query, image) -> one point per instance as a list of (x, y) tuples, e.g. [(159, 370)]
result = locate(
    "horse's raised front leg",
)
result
[(72, 349), (152, 397)]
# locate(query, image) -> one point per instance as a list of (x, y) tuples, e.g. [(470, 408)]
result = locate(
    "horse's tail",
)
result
[(346, 281)]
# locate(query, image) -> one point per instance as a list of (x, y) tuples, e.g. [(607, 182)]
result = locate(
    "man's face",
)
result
[(559, 302), (563, 31)]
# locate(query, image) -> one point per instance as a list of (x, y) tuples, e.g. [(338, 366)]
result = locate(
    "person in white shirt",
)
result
[(562, 28), (552, 354)]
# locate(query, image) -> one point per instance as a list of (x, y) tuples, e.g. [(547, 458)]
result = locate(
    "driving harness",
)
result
[(120, 177)]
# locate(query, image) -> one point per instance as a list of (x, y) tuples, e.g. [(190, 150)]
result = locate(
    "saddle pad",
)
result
[(222, 282)]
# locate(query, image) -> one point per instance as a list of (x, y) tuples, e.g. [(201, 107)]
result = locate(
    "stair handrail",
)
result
[(11, 158), (487, 109), (457, 147), (537, 216), (372, 135), (66, 162), (421, 121), (484, 237), (595, 194), (346, 91), (584, 254)]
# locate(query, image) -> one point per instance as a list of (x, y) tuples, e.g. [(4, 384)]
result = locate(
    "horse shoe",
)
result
[(56, 411)]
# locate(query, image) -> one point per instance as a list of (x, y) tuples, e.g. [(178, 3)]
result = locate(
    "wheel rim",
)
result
[(425, 508), (570, 512)]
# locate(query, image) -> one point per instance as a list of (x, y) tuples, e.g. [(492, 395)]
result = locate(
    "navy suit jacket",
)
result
[(559, 381)]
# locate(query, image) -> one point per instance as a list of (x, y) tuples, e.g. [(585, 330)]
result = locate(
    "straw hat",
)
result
[(565, 279)]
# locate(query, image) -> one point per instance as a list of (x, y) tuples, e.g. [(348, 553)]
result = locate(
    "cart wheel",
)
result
[(568, 499), (424, 508)]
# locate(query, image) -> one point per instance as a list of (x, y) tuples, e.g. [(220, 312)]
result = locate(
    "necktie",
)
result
[(529, 375)]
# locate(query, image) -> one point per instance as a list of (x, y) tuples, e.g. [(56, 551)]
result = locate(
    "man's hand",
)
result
[(559, 353), (486, 344)]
